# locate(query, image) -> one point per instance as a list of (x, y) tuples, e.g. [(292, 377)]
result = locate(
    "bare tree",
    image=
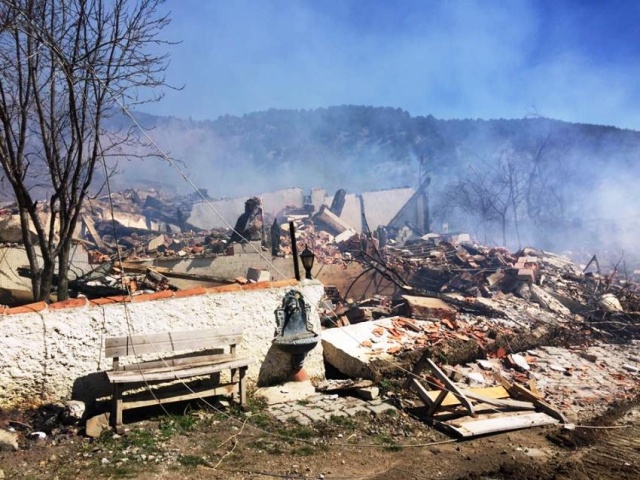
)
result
[(473, 195), (494, 192), (65, 66), (512, 176)]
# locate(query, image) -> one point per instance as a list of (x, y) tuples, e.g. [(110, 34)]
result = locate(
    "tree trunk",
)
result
[(63, 271), (46, 280), (36, 272)]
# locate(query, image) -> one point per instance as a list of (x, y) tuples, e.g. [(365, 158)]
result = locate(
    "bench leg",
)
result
[(116, 408), (242, 388)]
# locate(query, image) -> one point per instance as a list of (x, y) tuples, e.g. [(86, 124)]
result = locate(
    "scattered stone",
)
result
[(519, 361), (342, 385), (37, 435), (630, 368), (476, 379), (368, 393), (610, 303), (289, 392), (96, 425), (545, 300), (8, 440), (453, 373), (589, 357), (485, 364), (73, 411)]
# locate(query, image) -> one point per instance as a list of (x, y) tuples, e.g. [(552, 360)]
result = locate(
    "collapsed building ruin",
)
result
[(497, 318)]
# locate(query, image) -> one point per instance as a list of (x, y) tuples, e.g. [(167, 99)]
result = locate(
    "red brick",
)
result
[(70, 303), (111, 300), (256, 286), (191, 292), (234, 287), (284, 283), (32, 307), (145, 297)]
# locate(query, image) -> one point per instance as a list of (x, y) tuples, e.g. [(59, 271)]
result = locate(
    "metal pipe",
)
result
[(294, 250)]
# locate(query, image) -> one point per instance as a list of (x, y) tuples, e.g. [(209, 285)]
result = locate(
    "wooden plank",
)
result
[(423, 393), (181, 362), (171, 341), (502, 423), (88, 221), (433, 408), (172, 346), (488, 392), (507, 403), (144, 338), (131, 376), (519, 391), (417, 369), (450, 386), (161, 399)]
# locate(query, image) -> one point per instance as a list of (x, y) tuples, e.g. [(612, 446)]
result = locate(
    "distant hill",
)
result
[(359, 148), (586, 171)]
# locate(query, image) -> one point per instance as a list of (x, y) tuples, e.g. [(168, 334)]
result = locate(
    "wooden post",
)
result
[(294, 250)]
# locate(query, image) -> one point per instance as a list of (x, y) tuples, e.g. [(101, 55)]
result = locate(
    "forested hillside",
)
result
[(537, 174)]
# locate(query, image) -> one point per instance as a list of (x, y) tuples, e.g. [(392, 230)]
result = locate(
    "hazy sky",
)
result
[(572, 60)]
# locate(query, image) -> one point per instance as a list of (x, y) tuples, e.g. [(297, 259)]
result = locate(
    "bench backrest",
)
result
[(173, 341)]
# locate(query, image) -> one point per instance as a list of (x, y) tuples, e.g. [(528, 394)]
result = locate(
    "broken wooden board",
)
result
[(88, 221), (519, 391), (467, 427), (450, 400), (457, 409)]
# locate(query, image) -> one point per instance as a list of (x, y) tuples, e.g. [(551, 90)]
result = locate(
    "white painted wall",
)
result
[(46, 356)]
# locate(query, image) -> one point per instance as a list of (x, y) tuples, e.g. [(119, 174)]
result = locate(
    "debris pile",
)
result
[(531, 319)]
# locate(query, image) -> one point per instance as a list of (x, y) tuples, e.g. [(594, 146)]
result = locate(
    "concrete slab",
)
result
[(430, 307), (288, 392), (353, 348)]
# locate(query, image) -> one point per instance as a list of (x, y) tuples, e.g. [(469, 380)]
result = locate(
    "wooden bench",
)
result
[(196, 362)]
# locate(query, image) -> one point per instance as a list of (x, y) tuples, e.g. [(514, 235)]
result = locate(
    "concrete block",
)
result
[(8, 440), (380, 408), (527, 274), (545, 300), (289, 392), (343, 348), (369, 393), (430, 307), (258, 275), (96, 425)]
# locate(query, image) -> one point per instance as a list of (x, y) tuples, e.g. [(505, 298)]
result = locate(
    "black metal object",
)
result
[(294, 331), (307, 258), (294, 250)]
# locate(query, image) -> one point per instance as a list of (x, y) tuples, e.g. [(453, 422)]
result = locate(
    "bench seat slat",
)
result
[(160, 374), (141, 338), (166, 343), (179, 362)]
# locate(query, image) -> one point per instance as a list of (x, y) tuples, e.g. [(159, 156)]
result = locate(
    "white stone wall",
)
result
[(48, 355)]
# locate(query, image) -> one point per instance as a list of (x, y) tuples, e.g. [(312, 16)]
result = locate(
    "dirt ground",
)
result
[(198, 442)]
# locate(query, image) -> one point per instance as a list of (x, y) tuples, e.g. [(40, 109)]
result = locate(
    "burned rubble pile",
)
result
[(491, 317), (126, 227), (146, 224)]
